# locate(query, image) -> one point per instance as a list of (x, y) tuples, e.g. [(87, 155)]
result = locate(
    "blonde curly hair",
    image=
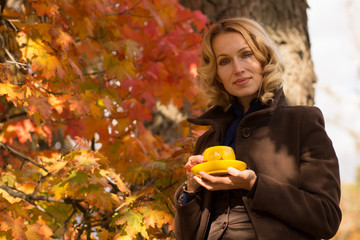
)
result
[(264, 49)]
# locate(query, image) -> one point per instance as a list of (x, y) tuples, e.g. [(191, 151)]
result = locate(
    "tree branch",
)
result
[(68, 219), (27, 197), (30, 198), (21, 156)]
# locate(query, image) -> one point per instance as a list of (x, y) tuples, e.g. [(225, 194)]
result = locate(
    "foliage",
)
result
[(79, 83), (350, 224)]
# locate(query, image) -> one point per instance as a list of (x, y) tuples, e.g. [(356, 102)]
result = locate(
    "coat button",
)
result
[(224, 225), (246, 132)]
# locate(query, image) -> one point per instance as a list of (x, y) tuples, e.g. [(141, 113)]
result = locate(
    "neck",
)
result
[(245, 104)]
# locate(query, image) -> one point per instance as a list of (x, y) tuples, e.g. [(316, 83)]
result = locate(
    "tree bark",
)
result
[(286, 23)]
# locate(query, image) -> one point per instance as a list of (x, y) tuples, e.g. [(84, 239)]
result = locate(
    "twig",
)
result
[(68, 219), (21, 156), (44, 211), (27, 197), (30, 198), (126, 11)]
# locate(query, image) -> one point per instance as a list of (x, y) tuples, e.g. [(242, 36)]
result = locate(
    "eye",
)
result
[(224, 61), (247, 55)]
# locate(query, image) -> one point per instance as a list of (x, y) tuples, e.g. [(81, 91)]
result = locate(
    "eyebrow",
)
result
[(240, 50)]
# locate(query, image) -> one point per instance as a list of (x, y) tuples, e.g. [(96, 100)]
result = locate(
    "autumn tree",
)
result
[(79, 84)]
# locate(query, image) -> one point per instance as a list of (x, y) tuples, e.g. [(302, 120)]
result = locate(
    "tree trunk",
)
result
[(286, 23)]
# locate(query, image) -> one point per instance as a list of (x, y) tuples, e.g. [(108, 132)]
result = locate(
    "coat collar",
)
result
[(217, 116)]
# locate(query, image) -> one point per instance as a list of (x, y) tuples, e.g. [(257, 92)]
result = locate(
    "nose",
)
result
[(238, 66)]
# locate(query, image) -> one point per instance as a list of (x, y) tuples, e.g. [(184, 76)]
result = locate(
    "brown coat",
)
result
[(298, 190)]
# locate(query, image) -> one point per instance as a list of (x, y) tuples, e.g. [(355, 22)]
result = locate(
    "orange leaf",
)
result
[(39, 230), (46, 8)]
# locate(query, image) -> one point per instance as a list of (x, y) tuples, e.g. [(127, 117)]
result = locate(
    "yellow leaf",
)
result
[(56, 103), (13, 92), (43, 59), (154, 217), (59, 190), (54, 169), (27, 188), (8, 197), (8, 178), (134, 224), (119, 183), (118, 237)]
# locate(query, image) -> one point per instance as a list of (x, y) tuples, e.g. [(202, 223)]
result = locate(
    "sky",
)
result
[(334, 28)]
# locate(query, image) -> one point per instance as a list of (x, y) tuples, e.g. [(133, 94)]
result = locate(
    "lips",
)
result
[(241, 81)]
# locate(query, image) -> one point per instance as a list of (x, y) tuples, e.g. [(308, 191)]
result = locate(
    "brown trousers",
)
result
[(229, 220)]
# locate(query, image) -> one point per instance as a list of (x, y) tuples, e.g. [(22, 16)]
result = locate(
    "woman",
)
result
[(291, 188)]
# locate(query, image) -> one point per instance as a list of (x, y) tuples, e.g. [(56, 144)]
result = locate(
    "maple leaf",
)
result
[(42, 29), (76, 68), (55, 168), (153, 217), (8, 178), (13, 92), (119, 68), (134, 224), (39, 105), (57, 102), (46, 8), (119, 183), (63, 39), (86, 162), (77, 179), (84, 29), (60, 190), (20, 129), (39, 230), (137, 111), (16, 226), (43, 59), (105, 234)]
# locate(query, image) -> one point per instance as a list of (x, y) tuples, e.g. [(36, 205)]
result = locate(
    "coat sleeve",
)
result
[(187, 218), (313, 206)]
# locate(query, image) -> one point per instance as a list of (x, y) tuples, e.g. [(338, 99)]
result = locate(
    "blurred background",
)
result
[(334, 29)]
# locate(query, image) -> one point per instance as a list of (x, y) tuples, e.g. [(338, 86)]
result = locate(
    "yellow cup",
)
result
[(219, 153)]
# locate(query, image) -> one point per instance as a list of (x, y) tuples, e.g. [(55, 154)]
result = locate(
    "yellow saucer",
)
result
[(218, 167)]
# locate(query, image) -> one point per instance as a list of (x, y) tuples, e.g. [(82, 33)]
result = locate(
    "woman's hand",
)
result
[(236, 179), (192, 184)]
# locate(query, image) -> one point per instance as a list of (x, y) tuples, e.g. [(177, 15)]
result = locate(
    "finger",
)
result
[(204, 184), (233, 171), (192, 161), (196, 159), (210, 178)]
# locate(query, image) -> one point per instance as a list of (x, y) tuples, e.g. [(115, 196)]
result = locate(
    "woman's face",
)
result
[(238, 69)]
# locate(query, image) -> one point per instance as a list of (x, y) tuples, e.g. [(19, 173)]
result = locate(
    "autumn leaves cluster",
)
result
[(80, 84)]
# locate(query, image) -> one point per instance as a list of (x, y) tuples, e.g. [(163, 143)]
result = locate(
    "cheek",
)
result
[(222, 75)]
